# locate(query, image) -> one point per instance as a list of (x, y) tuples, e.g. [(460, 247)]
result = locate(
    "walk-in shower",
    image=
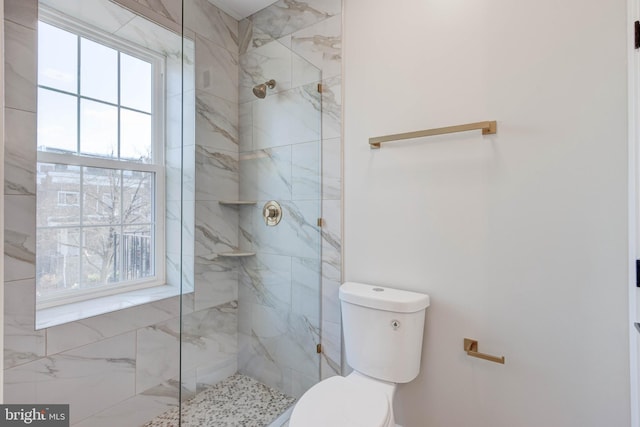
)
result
[(157, 275)]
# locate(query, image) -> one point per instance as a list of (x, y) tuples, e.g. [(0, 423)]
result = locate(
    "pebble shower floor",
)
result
[(238, 401)]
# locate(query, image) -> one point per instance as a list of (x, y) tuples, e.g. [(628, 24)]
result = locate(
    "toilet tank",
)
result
[(383, 329)]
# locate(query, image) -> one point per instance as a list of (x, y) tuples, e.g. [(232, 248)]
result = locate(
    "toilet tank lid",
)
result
[(383, 298)]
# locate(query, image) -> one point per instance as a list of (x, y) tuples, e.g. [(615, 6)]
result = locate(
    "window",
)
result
[(100, 183), (68, 198)]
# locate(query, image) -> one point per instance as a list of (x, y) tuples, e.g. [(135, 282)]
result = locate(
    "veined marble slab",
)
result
[(306, 164), (280, 345), (332, 108), (297, 234), (245, 126), (105, 15), (287, 16), (136, 410), (82, 332), (216, 70), (20, 152), (331, 169), (216, 230), (208, 336), (306, 289), (216, 122), (268, 278), (321, 44), (171, 9), (19, 237), (251, 37), (22, 343), (267, 62), (90, 379), (23, 12), (20, 47), (286, 118), (219, 167), (210, 22), (266, 174), (216, 282)]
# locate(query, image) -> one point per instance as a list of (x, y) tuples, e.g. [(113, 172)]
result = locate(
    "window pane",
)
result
[(95, 226), (57, 121), (135, 83), (58, 198), (137, 252), (135, 136), (100, 256), (57, 58), (98, 129), (101, 191), (137, 197), (98, 71), (57, 260)]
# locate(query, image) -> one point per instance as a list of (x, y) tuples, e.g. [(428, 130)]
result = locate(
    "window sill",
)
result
[(48, 317)]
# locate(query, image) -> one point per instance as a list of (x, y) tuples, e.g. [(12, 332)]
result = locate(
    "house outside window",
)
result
[(68, 198), (101, 176)]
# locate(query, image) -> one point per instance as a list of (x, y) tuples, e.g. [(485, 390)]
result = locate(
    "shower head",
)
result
[(261, 90)]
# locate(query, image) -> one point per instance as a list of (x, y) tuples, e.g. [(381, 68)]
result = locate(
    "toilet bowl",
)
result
[(354, 401), (383, 330)]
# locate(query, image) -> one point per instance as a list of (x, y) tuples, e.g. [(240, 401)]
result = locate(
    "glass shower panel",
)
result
[(115, 214), (280, 160), (251, 328)]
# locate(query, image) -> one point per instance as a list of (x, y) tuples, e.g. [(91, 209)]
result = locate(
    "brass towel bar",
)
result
[(487, 128), (471, 347)]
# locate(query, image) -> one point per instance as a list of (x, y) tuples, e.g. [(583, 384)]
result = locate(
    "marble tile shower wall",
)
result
[(287, 142), (120, 350), (217, 175), (128, 359)]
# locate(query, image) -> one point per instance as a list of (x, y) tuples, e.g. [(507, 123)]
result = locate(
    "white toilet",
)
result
[(383, 342)]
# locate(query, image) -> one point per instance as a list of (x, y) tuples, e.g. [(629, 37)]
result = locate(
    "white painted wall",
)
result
[(519, 238)]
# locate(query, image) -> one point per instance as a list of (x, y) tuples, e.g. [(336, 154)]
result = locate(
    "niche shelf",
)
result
[(236, 254), (237, 202)]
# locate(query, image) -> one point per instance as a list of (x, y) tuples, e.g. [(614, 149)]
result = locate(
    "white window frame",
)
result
[(157, 166)]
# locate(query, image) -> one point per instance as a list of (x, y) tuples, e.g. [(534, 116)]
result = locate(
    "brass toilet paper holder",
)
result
[(471, 347)]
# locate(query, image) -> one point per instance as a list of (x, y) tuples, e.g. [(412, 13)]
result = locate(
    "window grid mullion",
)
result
[(81, 228), (96, 162), (119, 112), (121, 246), (154, 220), (121, 237), (77, 94), (100, 101), (60, 227)]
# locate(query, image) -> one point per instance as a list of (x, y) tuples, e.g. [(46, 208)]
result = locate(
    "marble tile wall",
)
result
[(272, 300), (290, 151), (22, 343), (131, 353), (217, 179)]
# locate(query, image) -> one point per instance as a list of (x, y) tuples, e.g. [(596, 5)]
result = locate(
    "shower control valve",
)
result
[(272, 213)]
